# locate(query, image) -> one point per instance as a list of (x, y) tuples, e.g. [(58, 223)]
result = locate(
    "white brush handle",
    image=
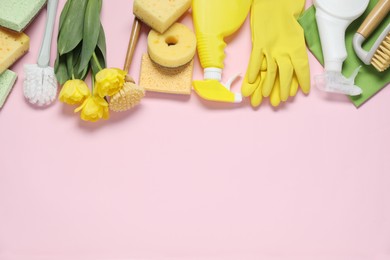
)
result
[(44, 53)]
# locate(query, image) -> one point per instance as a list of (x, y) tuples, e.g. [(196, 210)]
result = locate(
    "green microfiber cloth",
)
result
[(17, 14), (7, 81), (368, 79)]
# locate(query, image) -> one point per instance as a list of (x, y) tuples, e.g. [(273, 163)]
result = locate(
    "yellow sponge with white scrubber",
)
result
[(13, 45), (160, 14), (156, 78)]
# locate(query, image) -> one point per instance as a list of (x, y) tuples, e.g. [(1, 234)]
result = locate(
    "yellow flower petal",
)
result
[(109, 81), (93, 109), (74, 92)]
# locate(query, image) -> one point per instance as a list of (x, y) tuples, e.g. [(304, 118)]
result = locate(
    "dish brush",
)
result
[(40, 84), (379, 55), (131, 94)]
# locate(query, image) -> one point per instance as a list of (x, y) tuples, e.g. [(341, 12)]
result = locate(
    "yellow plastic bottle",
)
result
[(214, 20)]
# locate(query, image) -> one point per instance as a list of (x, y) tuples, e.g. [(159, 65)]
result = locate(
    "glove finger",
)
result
[(275, 94), (302, 70), (286, 72), (255, 62), (247, 89), (294, 86), (270, 76), (257, 96)]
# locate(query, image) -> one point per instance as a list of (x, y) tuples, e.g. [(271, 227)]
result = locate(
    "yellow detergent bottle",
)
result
[(214, 20)]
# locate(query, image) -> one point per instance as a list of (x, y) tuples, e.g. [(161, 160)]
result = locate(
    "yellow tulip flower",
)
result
[(93, 109), (74, 92), (109, 81)]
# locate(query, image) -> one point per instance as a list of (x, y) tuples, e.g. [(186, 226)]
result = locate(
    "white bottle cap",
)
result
[(213, 73)]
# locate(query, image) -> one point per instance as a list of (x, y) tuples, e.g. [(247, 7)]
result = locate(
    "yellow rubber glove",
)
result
[(279, 61)]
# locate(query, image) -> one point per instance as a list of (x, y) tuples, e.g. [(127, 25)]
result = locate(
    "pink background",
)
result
[(182, 178)]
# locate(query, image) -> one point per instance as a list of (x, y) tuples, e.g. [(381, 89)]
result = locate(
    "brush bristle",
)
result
[(381, 59), (128, 97)]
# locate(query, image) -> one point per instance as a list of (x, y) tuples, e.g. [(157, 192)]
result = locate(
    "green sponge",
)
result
[(7, 81), (17, 14)]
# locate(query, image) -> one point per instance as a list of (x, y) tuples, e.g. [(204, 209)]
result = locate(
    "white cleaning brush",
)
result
[(40, 84)]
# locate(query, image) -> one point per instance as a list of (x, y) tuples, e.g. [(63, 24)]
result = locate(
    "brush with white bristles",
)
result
[(40, 84), (379, 55)]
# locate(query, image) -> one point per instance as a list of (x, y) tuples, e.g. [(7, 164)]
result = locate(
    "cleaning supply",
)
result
[(213, 21), (279, 61), (156, 78), (40, 84), (369, 80), (160, 15), (17, 14), (7, 81), (379, 54), (333, 18), (173, 48), (129, 96), (13, 45)]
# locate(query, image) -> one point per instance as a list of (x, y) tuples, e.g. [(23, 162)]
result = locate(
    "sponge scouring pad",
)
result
[(156, 78), (160, 14), (7, 81), (13, 45), (17, 14)]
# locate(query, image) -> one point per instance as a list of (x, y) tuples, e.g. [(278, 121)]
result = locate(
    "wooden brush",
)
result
[(379, 55), (131, 94)]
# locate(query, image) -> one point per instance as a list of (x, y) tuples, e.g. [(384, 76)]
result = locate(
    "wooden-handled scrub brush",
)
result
[(379, 55), (131, 94)]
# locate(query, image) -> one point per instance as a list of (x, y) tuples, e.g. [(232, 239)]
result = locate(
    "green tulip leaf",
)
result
[(71, 32), (100, 58), (61, 70), (73, 58), (102, 45), (84, 73), (91, 32), (69, 64), (64, 14)]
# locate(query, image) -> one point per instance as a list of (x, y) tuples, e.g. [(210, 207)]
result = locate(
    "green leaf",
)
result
[(84, 73), (91, 32), (71, 33), (79, 74), (102, 62), (64, 13), (69, 63), (60, 70), (102, 46)]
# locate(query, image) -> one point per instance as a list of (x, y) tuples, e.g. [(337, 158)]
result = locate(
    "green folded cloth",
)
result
[(368, 79)]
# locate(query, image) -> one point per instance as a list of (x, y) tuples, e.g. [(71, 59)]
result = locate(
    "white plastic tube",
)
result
[(332, 34), (333, 18)]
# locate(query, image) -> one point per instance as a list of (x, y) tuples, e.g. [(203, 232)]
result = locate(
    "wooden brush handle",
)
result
[(135, 30), (375, 17)]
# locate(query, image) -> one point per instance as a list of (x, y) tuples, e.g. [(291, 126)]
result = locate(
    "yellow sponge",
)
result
[(154, 77), (160, 14), (174, 48), (13, 45)]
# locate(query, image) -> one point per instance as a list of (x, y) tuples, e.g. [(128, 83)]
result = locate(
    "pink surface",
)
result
[(181, 178)]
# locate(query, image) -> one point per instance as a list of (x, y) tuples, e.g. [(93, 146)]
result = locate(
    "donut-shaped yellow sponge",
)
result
[(174, 48)]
